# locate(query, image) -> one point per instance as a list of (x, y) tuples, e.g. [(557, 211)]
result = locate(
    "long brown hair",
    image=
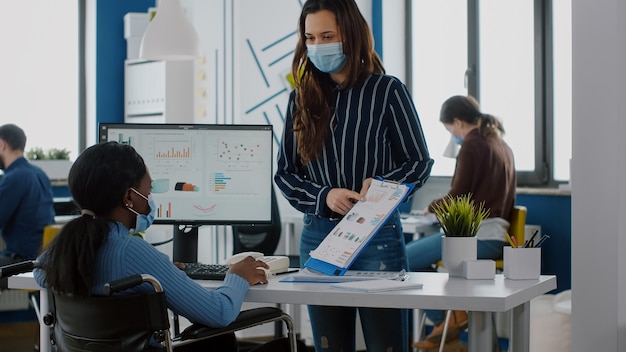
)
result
[(466, 108), (314, 102)]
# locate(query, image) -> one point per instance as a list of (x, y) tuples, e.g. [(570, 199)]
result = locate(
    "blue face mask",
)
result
[(457, 140), (144, 220), (327, 58)]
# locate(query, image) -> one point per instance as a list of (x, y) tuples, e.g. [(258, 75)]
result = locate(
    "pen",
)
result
[(530, 242), (508, 238), (514, 242), (543, 239), (288, 272), (402, 275)]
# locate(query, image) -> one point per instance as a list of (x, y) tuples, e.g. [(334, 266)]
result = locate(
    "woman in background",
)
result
[(485, 168), (346, 123)]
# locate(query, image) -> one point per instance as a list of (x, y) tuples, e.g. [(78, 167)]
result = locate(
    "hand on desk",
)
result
[(254, 271)]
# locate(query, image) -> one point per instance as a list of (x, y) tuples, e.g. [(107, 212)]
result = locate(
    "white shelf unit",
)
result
[(158, 91)]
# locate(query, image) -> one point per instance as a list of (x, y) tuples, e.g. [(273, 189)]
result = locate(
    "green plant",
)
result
[(58, 154), (459, 217), (35, 154), (38, 153)]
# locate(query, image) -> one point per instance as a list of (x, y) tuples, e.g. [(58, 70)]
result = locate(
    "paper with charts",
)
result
[(342, 245)]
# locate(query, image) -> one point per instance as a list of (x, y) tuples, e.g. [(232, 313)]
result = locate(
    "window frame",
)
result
[(543, 173)]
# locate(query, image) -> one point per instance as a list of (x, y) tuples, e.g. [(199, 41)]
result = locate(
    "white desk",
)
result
[(479, 297)]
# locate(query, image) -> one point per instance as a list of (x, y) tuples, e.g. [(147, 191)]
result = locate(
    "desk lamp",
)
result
[(169, 35)]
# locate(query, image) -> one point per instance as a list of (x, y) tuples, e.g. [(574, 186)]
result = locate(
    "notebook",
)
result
[(379, 285)]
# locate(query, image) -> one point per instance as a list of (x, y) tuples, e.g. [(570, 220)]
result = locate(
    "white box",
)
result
[(483, 269), (522, 263)]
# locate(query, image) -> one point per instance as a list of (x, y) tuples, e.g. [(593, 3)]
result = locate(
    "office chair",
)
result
[(259, 238), (131, 322), (516, 230)]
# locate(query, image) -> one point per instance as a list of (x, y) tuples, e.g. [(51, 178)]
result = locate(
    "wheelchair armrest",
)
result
[(131, 281), (17, 268), (246, 318)]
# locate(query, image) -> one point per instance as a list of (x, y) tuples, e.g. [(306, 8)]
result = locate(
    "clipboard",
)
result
[(340, 248)]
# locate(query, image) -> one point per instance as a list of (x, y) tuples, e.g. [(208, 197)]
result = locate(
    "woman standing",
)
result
[(346, 123)]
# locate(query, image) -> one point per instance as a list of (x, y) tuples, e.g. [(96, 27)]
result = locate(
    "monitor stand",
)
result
[(185, 244)]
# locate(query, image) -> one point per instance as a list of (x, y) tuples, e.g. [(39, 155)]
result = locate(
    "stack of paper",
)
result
[(376, 285)]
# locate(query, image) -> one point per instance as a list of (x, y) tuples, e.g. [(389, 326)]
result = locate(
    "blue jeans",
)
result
[(334, 327), (426, 251)]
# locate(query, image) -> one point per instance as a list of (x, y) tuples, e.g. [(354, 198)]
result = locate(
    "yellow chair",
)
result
[(516, 229), (49, 232)]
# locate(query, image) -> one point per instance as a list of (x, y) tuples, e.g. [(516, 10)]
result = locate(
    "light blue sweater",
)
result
[(123, 255)]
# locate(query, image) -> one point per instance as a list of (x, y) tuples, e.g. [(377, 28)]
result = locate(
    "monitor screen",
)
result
[(204, 174)]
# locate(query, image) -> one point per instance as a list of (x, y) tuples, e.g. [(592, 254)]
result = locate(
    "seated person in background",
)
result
[(26, 202), (485, 168), (111, 184)]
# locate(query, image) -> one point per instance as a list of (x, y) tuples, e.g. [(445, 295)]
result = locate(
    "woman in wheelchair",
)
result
[(111, 184)]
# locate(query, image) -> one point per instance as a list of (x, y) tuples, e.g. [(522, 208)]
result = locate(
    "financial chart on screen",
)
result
[(204, 174)]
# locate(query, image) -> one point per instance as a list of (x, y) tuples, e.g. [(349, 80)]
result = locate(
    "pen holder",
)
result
[(522, 263)]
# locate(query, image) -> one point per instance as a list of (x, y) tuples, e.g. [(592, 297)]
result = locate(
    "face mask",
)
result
[(144, 220), (327, 58), (457, 140)]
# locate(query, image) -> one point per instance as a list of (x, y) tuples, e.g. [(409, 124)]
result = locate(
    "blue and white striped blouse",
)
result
[(374, 132)]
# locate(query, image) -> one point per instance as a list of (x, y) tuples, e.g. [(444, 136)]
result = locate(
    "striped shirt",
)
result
[(374, 132)]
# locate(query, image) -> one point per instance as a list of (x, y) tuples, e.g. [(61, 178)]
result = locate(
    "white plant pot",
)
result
[(456, 250)]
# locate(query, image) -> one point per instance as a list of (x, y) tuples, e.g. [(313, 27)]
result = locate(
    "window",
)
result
[(439, 64), (503, 54), (39, 72), (562, 73)]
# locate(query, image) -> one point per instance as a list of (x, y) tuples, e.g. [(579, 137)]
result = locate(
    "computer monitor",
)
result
[(434, 188), (203, 174)]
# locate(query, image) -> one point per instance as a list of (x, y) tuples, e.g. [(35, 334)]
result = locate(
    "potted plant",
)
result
[(460, 219)]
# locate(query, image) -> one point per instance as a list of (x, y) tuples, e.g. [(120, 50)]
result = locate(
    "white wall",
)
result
[(598, 170)]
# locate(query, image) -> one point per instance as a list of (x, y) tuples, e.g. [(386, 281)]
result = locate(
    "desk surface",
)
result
[(439, 292)]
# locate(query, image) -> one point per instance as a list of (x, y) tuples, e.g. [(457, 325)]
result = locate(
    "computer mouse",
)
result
[(268, 273), (236, 258)]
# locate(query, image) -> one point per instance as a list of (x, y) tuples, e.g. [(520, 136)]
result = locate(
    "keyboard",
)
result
[(201, 271)]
